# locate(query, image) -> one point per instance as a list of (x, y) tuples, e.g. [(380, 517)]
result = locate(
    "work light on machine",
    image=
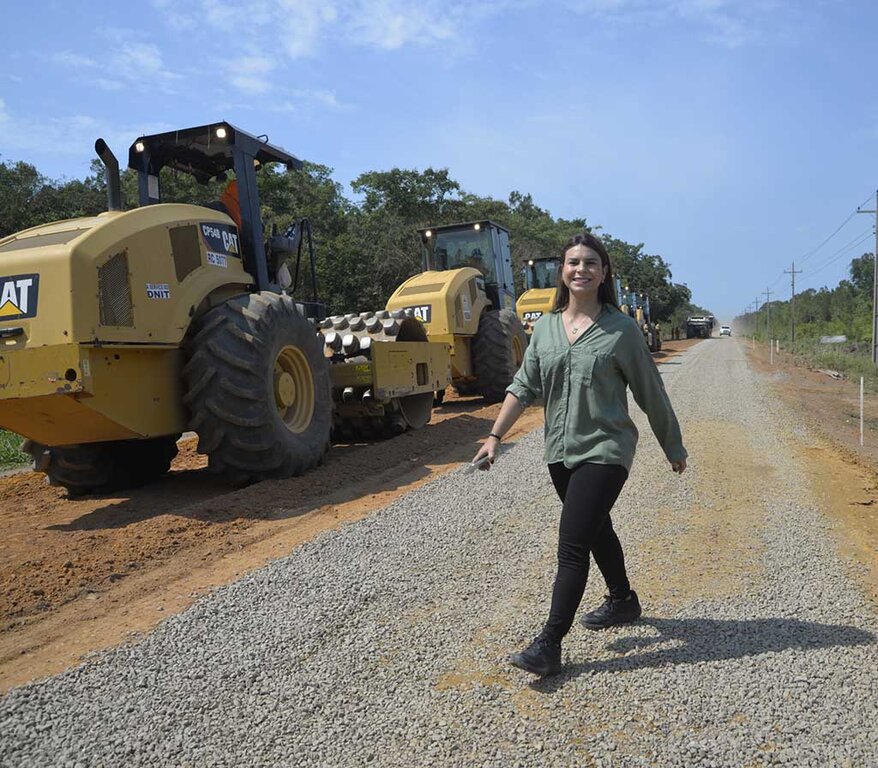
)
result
[(428, 233), (221, 132), (139, 146), (477, 227)]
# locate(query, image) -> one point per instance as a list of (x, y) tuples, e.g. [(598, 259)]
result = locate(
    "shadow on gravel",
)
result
[(697, 640), (351, 471)]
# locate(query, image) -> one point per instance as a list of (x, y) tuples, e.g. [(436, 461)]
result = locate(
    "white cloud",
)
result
[(731, 23), (129, 60), (302, 24), (70, 136), (74, 60), (391, 24), (250, 73), (303, 28), (306, 100)]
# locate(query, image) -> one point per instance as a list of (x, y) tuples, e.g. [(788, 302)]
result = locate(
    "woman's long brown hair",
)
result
[(606, 290)]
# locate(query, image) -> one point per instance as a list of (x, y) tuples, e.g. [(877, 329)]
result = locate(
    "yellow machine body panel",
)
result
[(449, 302), (397, 369), (92, 314), (533, 304), (61, 395)]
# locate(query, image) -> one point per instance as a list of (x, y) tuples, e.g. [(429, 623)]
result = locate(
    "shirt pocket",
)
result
[(583, 370)]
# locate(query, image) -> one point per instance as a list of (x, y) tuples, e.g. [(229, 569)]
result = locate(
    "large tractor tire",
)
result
[(104, 467), (497, 351), (466, 389), (257, 389)]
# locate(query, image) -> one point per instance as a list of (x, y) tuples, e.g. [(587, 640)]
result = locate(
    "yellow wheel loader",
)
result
[(120, 331), (465, 296), (540, 281)]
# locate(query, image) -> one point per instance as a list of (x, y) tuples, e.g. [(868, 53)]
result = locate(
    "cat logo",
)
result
[(533, 316), (423, 312), (18, 296)]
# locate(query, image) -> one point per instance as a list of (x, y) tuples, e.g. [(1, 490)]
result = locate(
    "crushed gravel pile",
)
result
[(386, 642)]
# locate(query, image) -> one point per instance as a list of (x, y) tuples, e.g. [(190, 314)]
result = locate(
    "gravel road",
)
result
[(386, 642)]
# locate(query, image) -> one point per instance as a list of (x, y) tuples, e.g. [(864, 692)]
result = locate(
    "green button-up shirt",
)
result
[(583, 389)]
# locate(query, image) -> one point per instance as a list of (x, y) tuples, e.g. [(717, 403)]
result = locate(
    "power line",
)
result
[(861, 238), (810, 253), (838, 229)]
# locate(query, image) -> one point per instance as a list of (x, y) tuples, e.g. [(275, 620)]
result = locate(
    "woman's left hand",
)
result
[(679, 466)]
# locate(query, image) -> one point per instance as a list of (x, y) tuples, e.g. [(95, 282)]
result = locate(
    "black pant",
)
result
[(588, 493)]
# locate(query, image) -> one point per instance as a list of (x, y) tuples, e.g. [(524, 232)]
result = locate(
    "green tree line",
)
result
[(845, 310), (367, 244)]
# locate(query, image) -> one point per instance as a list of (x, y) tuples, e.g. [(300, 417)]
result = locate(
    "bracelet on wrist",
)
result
[(495, 435)]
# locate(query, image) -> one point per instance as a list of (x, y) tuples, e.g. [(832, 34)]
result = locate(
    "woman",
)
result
[(580, 360)]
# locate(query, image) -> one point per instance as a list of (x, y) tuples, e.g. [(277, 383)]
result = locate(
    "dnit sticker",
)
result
[(158, 291), (18, 296)]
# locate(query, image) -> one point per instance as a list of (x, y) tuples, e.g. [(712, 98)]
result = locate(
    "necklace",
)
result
[(573, 329), (576, 329)]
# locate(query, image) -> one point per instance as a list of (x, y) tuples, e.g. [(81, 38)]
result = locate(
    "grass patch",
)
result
[(10, 455), (853, 360)]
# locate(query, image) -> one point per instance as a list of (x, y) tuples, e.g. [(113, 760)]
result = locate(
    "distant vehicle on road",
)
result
[(724, 330), (700, 326)]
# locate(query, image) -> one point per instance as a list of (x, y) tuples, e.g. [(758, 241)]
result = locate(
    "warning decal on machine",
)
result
[(18, 296), (220, 242)]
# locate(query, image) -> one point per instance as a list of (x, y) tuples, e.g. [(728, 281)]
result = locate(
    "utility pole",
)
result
[(756, 324), (768, 309), (874, 285), (793, 272)]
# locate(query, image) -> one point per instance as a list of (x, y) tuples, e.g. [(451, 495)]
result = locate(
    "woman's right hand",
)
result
[(490, 449)]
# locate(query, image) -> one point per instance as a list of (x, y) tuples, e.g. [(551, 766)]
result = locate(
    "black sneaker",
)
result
[(542, 657), (613, 611)]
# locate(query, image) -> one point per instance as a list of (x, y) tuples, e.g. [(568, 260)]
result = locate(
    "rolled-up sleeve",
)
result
[(648, 389), (526, 384)]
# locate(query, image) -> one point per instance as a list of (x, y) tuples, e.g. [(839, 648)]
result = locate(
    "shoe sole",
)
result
[(520, 663), (607, 625)]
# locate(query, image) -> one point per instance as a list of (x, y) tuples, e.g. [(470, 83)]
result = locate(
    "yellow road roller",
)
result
[(465, 296), (120, 331)]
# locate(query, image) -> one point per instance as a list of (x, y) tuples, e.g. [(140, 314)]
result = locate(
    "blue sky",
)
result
[(729, 136)]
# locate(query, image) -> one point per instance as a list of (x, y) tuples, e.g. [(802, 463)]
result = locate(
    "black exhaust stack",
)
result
[(114, 187)]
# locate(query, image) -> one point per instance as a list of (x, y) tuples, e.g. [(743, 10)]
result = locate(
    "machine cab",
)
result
[(540, 282), (483, 245), (542, 272)]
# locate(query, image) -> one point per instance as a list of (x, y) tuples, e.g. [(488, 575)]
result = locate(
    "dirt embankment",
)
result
[(844, 474), (79, 575)]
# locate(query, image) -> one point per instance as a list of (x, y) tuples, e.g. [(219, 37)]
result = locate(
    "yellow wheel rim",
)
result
[(517, 350), (293, 389)]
